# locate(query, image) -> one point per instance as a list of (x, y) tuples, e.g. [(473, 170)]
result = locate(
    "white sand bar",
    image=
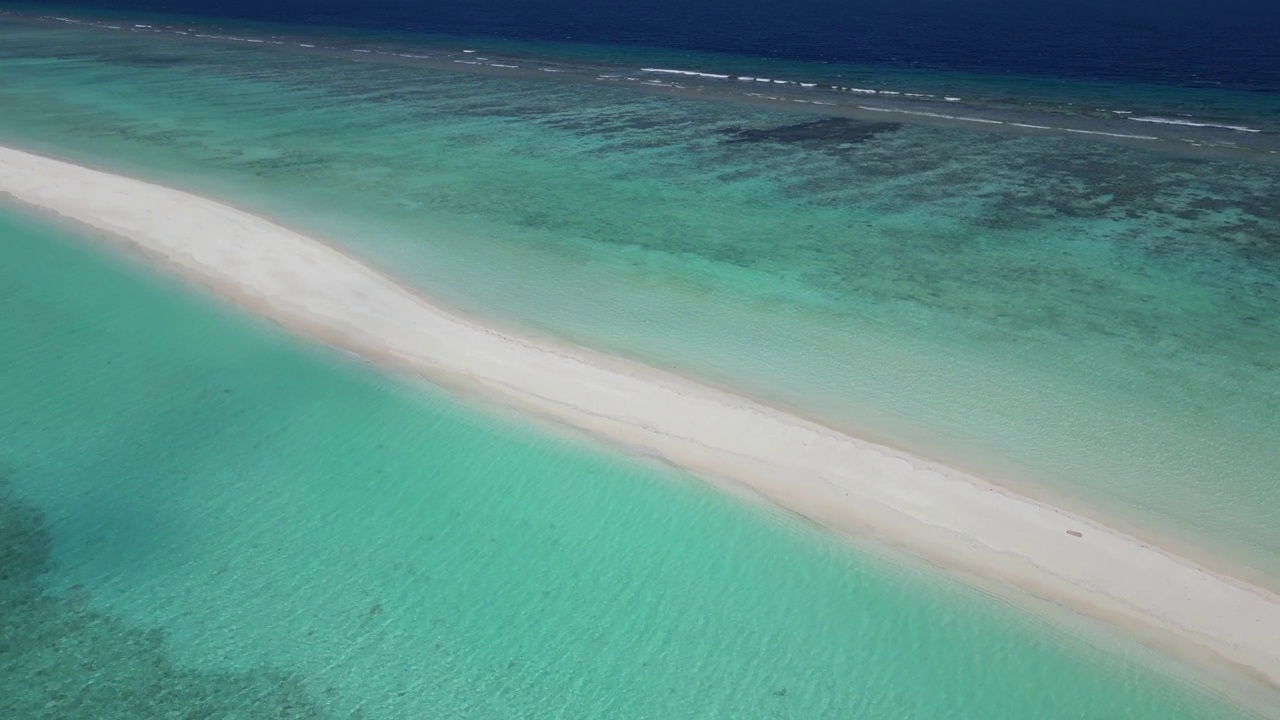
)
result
[(849, 485)]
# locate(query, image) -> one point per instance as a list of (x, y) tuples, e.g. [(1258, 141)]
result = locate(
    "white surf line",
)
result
[(1194, 124), (689, 73), (940, 116), (851, 486), (1111, 134), (961, 118)]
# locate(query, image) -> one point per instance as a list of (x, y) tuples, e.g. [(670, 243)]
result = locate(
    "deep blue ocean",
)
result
[(1194, 43)]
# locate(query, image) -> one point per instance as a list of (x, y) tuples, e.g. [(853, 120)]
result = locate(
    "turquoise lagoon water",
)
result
[(217, 510), (1095, 323), (201, 517)]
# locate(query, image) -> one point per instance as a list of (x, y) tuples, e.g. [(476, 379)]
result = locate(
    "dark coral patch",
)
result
[(61, 659)]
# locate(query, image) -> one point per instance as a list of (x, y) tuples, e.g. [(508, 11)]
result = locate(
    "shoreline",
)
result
[(951, 519)]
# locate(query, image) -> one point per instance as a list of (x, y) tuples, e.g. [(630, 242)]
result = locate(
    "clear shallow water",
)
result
[(199, 515), (1091, 321)]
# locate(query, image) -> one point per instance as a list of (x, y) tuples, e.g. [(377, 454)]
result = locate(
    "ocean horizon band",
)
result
[(1167, 129), (846, 484)]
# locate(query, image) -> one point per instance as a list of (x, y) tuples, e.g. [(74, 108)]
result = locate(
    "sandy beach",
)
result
[(854, 487)]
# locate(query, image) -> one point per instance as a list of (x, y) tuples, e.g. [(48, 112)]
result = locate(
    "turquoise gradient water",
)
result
[(1092, 323), (202, 516)]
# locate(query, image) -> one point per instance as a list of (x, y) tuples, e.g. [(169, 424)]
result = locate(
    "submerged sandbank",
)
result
[(849, 485)]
